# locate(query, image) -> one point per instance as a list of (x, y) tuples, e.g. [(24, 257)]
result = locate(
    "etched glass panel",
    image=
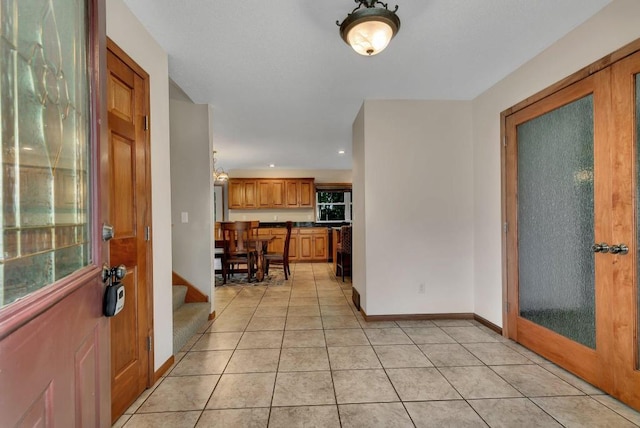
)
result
[(556, 221), (44, 108)]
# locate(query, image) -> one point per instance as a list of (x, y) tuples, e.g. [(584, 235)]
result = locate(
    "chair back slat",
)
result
[(235, 236), (345, 239)]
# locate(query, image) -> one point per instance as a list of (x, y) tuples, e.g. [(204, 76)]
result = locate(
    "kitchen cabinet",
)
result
[(243, 194), (269, 193), (308, 244)]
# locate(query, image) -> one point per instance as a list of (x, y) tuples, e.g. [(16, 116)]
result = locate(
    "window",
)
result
[(333, 206)]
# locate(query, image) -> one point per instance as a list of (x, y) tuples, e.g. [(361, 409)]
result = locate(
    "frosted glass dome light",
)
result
[(368, 30)]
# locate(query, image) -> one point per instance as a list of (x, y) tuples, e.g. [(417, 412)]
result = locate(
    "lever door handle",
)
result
[(600, 248), (619, 249)]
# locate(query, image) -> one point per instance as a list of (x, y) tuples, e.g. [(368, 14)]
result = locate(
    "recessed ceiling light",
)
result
[(340, 152), (272, 165), (27, 148)]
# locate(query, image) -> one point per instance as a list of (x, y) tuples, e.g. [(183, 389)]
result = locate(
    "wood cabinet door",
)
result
[(320, 246), (292, 191), (307, 194), (293, 247), (305, 244), (277, 194), (236, 194), (250, 196), (265, 194)]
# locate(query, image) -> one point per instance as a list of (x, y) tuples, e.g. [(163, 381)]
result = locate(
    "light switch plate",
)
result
[(184, 216)]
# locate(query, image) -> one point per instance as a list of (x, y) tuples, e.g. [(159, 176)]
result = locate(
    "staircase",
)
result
[(187, 317)]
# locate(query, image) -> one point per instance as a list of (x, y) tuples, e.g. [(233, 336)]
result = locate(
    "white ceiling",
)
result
[(285, 88)]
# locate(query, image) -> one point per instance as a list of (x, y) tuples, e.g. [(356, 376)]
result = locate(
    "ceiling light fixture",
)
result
[(369, 29), (272, 165), (219, 174), (340, 152)]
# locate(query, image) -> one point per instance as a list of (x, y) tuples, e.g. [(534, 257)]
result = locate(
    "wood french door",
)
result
[(54, 340), (130, 213), (571, 211)]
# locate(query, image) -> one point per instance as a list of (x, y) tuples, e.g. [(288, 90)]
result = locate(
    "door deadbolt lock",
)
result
[(600, 248), (619, 249), (116, 274)]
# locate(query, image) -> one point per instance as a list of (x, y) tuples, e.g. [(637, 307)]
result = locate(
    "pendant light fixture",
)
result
[(369, 29), (219, 174)]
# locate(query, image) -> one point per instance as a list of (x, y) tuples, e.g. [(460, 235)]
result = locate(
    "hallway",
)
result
[(299, 354)]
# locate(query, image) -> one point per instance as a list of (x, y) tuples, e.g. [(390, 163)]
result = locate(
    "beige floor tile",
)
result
[(581, 412), (303, 339), (425, 335), (277, 302), (228, 326), (495, 354), (142, 398), (202, 363), (217, 341), (421, 384), (296, 294), (303, 389), (346, 337), (261, 340), (192, 341), (332, 292), (469, 335), (527, 353), (266, 323), (377, 324), (332, 301), (388, 415), (454, 323), (246, 418), (119, 423), (303, 301), (204, 327), (336, 310), (304, 416), (363, 386), (303, 323), (444, 414), (415, 323), (164, 420), (449, 355), (304, 311), (571, 379), (387, 336), (340, 321), (512, 412), (253, 361), (271, 311), (303, 359), (180, 393), (478, 382), (620, 408), (353, 357), (534, 381), (239, 391), (398, 356)]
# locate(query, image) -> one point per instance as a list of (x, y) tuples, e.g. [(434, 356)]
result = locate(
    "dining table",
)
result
[(259, 244)]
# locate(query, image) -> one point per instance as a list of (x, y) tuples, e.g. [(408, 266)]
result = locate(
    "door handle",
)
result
[(619, 249), (600, 248)]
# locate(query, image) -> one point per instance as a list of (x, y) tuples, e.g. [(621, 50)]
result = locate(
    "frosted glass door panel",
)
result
[(556, 221), (44, 144)]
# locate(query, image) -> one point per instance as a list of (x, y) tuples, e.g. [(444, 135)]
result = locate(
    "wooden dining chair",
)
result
[(236, 253), (281, 258), (344, 251)]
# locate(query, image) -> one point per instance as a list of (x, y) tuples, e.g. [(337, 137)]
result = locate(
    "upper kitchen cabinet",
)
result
[(265, 193), (300, 193), (243, 194), (271, 194)]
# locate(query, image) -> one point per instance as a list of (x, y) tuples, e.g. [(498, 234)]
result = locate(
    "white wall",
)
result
[(127, 32), (295, 214), (418, 207), (191, 193), (359, 238), (610, 29)]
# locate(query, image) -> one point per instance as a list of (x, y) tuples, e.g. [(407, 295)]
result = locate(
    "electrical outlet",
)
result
[(275, 217), (421, 288)]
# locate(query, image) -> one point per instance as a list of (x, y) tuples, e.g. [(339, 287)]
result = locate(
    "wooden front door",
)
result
[(131, 329), (54, 340), (571, 187)]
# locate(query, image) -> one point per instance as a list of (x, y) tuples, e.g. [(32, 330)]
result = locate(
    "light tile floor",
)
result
[(301, 355)]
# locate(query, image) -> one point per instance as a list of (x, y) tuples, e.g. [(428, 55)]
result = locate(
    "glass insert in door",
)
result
[(556, 221), (44, 144)]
